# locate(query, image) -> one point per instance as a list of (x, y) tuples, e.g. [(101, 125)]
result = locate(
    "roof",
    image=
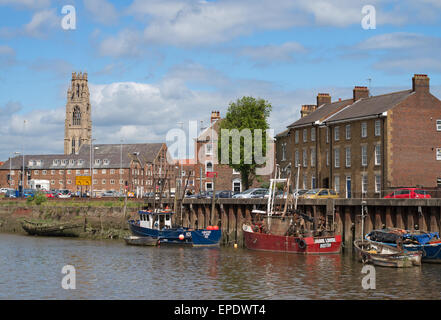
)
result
[(371, 106), (321, 113), (109, 156), (282, 134)]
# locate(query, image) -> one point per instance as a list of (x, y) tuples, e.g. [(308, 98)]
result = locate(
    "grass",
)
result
[(73, 203)]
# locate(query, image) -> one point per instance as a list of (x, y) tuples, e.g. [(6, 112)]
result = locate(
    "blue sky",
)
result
[(153, 63)]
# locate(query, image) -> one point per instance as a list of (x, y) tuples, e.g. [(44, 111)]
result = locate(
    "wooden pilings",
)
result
[(231, 214)]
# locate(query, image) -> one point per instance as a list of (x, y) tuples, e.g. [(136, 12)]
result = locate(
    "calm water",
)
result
[(30, 268)]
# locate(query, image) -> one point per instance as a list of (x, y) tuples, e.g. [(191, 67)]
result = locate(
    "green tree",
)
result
[(246, 115)]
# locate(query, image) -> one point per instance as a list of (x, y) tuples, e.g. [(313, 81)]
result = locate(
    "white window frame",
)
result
[(348, 157), (337, 158), (209, 149), (364, 129), (337, 133), (296, 136), (297, 158), (364, 183), (305, 135), (377, 154), (438, 153), (337, 184), (305, 158), (348, 132), (363, 156), (377, 128), (313, 156), (313, 134), (377, 183)]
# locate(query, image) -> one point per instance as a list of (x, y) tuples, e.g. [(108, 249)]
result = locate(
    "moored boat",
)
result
[(385, 255), (51, 229), (158, 225), (141, 241), (429, 243)]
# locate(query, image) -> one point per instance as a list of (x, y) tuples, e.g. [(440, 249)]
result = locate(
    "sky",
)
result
[(154, 63)]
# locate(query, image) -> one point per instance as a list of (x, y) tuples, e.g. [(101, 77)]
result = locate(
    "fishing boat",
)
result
[(429, 243), (385, 255), (284, 231), (158, 225), (141, 241), (51, 229)]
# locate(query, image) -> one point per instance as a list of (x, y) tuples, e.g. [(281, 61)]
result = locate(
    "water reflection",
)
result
[(30, 268)]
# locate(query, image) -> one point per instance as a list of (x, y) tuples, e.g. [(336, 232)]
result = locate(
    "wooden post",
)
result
[(213, 199)]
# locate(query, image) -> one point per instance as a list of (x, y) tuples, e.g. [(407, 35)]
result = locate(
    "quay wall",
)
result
[(231, 214)]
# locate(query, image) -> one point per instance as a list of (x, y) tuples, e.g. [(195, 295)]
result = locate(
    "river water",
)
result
[(31, 268)]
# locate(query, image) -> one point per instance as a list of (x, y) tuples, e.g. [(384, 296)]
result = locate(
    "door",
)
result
[(348, 187)]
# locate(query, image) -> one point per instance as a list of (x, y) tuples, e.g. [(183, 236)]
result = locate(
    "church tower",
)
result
[(78, 123)]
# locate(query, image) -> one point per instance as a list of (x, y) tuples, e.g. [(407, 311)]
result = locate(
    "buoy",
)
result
[(181, 237), (209, 228), (235, 246), (215, 228)]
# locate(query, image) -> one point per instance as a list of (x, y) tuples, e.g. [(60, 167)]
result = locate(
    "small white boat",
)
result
[(141, 241)]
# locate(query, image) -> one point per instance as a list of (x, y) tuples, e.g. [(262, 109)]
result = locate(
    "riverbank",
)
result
[(109, 222)]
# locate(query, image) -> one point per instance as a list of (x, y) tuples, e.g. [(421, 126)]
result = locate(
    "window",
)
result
[(55, 162), (103, 181), (234, 172), (377, 128), (327, 158), (112, 171), (438, 153), (337, 158), (348, 157), (86, 171), (312, 157), (348, 132), (64, 162), (284, 151), (71, 162), (95, 171), (327, 134), (377, 154), (52, 172), (438, 125), (305, 179), (95, 181), (44, 172), (121, 171), (377, 183), (364, 183), (103, 171), (121, 181), (60, 171), (364, 129), (297, 136), (208, 186), (312, 134), (36, 172), (208, 167), (305, 158), (337, 183), (69, 181), (77, 172), (73, 145), (208, 149), (313, 182), (60, 182), (97, 161), (76, 116), (52, 181), (305, 135), (336, 133), (364, 156), (80, 162), (296, 158)]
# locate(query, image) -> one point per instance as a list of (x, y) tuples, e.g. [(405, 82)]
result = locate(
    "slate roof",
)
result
[(108, 154), (321, 113), (370, 106)]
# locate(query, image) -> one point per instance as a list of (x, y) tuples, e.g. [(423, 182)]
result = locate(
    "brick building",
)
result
[(369, 145), (114, 167)]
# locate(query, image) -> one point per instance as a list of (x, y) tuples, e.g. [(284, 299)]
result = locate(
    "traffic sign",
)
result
[(211, 174), (83, 180)]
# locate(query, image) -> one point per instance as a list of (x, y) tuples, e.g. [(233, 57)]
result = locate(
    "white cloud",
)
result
[(101, 11), (127, 43), (41, 22), (27, 4)]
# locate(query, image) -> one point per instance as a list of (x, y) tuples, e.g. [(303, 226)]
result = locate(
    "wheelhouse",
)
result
[(155, 220)]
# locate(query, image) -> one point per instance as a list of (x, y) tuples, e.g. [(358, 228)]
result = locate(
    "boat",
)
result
[(158, 225), (51, 229), (141, 241), (429, 243), (386, 255), (285, 231)]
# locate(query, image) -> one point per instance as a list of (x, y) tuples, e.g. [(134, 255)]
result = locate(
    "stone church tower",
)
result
[(78, 123)]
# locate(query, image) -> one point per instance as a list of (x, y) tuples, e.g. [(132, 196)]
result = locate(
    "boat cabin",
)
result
[(155, 220)]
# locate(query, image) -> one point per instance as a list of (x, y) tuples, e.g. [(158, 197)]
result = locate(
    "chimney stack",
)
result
[(307, 109), (323, 98), (360, 92), (215, 115), (420, 83)]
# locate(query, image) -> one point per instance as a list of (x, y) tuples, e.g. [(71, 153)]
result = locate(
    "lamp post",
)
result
[(91, 172)]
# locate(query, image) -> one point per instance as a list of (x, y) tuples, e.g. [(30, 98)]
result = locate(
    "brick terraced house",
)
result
[(367, 145), (115, 166)]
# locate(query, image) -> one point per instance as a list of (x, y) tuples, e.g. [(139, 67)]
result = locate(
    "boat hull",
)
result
[(307, 245), (36, 229), (180, 236), (141, 241)]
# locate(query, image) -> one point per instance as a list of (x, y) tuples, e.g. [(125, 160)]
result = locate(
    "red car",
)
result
[(409, 193), (49, 194)]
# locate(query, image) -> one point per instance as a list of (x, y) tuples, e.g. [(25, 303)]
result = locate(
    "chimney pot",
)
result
[(360, 92), (323, 98), (420, 83)]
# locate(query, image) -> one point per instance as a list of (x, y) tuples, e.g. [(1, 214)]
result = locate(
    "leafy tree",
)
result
[(245, 115)]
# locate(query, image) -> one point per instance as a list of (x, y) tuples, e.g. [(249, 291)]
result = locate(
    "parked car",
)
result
[(409, 193), (29, 193), (320, 194), (224, 194), (110, 193), (4, 190), (251, 193), (63, 194), (50, 194), (201, 195), (11, 193), (299, 192)]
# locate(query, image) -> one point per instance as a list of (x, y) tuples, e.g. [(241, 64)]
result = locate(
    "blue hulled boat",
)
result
[(428, 243), (158, 225)]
